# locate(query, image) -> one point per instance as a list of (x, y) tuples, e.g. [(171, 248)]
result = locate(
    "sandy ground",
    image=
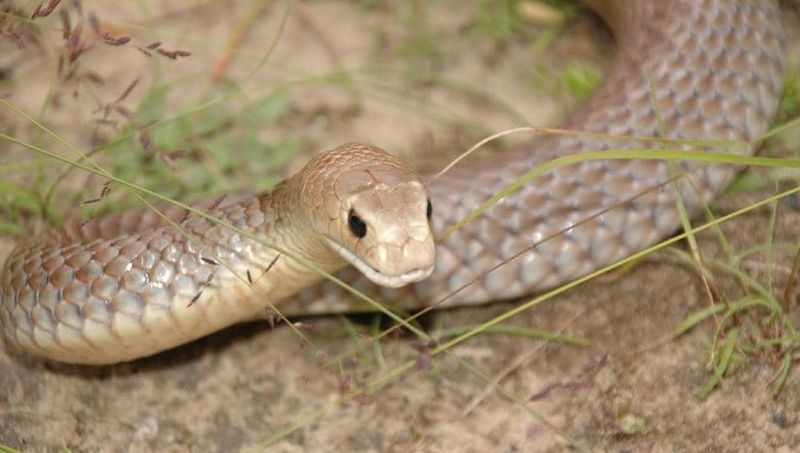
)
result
[(632, 389)]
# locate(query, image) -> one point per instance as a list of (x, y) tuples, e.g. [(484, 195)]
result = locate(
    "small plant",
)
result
[(576, 80), (498, 20)]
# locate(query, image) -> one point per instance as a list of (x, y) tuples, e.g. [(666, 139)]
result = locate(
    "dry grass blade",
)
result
[(191, 137)]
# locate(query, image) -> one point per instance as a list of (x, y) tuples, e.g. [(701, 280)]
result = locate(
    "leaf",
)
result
[(786, 365), (580, 79), (721, 365), (696, 317)]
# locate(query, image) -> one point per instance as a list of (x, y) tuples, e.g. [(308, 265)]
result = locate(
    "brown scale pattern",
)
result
[(713, 68), (114, 284), (117, 288), (131, 284)]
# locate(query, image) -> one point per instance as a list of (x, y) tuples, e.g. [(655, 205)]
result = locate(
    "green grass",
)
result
[(204, 131), (790, 100), (502, 20), (7, 449), (575, 80), (396, 372), (762, 322), (734, 341), (498, 19), (212, 125), (207, 166)]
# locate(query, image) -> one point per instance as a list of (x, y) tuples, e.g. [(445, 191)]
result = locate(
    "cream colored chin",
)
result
[(389, 281)]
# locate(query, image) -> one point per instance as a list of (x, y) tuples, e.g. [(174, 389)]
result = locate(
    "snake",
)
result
[(131, 284)]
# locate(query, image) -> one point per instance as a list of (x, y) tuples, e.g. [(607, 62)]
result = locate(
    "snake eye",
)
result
[(357, 226), (429, 211)]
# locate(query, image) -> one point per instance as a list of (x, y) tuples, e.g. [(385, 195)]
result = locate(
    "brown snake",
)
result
[(129, 285)]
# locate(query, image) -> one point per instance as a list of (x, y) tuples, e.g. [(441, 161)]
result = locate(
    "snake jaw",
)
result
[(374, 275)]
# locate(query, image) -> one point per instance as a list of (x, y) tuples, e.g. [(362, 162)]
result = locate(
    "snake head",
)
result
[(377, 214)]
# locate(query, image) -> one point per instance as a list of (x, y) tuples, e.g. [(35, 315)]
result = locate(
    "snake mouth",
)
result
[(376, 276)]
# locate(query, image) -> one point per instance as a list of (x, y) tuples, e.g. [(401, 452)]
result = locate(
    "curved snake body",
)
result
[(685, 69), (694, 69), (132, 284)]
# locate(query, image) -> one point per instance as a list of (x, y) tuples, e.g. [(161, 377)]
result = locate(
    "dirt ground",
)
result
[(631, 389)]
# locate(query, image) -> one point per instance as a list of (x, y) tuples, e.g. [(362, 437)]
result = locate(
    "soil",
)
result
[(632, 388)]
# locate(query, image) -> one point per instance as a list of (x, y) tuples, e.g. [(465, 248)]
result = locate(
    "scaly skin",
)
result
[(710, 69), (695, 69), (130, 285)]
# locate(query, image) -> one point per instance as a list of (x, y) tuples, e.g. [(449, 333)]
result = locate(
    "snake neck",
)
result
[(293, 229)]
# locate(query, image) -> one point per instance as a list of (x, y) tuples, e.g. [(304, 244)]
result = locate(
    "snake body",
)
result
[(685, 69), (128, 285)]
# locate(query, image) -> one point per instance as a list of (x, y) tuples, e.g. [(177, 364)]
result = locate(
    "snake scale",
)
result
[(131, 284)]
